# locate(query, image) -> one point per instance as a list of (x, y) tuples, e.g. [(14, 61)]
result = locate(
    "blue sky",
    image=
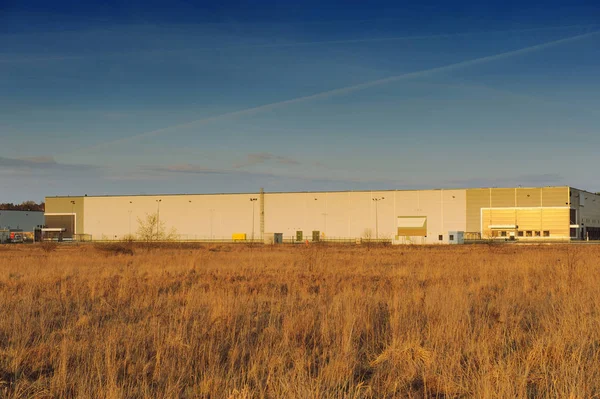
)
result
[(149, 97)]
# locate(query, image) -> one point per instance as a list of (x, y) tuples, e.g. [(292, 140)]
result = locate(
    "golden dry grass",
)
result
[(317, 322)]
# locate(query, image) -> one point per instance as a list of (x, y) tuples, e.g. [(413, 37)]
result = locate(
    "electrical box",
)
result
[(456, 237)]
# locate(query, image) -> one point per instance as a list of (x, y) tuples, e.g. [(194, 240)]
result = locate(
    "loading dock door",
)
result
[(66, 222), (413, 226)]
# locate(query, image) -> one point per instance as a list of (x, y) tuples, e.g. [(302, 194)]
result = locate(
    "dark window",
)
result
[(503, 234), (441, 237), (537, 234), (546, 233), (451, 237), (573, 233), (573, 216), (520, 234)]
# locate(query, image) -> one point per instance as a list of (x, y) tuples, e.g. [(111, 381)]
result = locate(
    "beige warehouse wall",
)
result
[(335, 214), (192, 216), (353, 214)]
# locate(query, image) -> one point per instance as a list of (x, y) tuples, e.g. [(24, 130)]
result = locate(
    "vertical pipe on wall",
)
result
[(516, 212), (541, 212), (395, 218), (349, 215), (262, 212), (491, 214), (442, 210)]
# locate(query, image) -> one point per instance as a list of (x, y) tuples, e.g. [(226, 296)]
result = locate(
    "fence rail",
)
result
[(286, 240)]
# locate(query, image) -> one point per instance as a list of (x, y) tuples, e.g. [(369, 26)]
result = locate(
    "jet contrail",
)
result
[(342, 90)]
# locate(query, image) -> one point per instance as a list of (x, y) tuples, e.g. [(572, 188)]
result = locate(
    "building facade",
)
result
[(403, 216), (21, 220)]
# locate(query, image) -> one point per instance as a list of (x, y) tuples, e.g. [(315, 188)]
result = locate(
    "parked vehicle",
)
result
[(16, 237)]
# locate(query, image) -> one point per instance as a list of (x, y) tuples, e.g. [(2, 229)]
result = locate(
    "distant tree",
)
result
[(151, 229), (24, 206)]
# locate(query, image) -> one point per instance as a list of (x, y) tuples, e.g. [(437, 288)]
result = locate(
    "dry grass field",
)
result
[(300, 322)]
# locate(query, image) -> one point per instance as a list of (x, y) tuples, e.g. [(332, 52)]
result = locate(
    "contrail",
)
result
[(69, 57), (342, 90)]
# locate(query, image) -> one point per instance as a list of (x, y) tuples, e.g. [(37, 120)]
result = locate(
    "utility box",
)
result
[(456, 237), (299, 236), (269, 238), (316, 235), (278, 238)]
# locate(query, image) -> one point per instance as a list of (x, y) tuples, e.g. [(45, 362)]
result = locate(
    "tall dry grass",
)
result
[(316, 322)]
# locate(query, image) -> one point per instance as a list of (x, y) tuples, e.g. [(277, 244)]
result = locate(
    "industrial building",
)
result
[(20, 223), (22, 220), (402, 216)]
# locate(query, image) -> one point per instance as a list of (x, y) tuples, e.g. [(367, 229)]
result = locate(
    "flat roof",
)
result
[(16, 211), (304, 192)]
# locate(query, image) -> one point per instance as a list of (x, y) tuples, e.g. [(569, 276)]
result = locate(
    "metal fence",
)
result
[(193, 239)]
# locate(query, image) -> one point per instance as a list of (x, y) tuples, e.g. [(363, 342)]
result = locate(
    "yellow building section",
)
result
[(238, 236), (412, 226), (69, 211), (479, 198), (533, 222)]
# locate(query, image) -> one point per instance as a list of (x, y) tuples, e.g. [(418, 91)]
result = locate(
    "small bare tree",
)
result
[(150, 229), (367, 237)]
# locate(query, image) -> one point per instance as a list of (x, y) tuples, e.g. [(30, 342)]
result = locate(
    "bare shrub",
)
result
[(48, 246), (151, 229), (119, 248)]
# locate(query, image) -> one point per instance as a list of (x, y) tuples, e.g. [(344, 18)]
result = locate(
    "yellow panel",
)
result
[(412, 232), (554, 220), (555, 196), (477, 198), (529, 197), (500, 216), (496, 217), (68, 205), (238, 236), (503, 197), (408, 230), (529, 219)]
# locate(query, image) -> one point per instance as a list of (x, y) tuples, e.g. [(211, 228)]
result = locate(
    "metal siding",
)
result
[(555, 196), (588, 214), (63, 205), (554, 220), (477, 198), (24, 220), (503, 197), (453, 211), (529, 219), (529, 197), (500, 216)]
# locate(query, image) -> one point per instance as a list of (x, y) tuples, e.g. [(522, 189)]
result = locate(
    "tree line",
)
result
[(24, 206)]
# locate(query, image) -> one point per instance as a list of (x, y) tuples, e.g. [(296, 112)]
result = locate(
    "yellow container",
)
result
[(238, 236)]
